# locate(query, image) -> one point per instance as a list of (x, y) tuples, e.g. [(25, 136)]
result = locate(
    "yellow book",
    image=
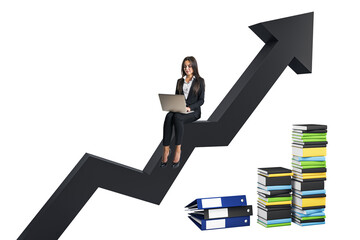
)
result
[(274, 203), (309, 202), (309, 152), (310, 175), (277, 174)]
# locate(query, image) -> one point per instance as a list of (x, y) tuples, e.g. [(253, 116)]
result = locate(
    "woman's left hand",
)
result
[(188, 109)]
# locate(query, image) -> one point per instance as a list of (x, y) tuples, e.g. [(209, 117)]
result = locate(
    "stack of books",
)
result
[(274, 197), (309, 174), (220, 212)]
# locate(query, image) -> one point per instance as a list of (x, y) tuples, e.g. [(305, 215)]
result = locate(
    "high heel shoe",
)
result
[(163, 164), (177, 164)]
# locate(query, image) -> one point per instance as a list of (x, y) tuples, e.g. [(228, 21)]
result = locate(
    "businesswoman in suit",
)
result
[(192, 86)]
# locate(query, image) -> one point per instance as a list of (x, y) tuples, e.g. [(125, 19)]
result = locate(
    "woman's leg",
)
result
[(167, 132), (179, 121), (177, 154), (168, 127), (166, 153)]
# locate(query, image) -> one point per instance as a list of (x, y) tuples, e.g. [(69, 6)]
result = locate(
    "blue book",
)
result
[(308, 158), (275, 221), (310, 192), (277, 187), (219, 223), (218, 202), (315, 214), (309, 211)]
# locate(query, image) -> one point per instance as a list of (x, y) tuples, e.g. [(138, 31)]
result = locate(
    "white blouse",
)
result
[(187, 86)]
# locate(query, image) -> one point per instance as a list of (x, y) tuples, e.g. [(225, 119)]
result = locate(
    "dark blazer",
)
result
[(194, 101)]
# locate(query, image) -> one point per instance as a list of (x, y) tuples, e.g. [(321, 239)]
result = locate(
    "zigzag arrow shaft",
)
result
[(288, 41)]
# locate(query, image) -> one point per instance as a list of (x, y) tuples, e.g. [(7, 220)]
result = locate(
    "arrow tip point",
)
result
[(296, 33)]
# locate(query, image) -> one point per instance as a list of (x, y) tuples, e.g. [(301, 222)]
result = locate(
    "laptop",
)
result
[(173, 103)]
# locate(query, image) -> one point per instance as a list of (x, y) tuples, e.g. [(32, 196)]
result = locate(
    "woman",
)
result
[(192, 86)]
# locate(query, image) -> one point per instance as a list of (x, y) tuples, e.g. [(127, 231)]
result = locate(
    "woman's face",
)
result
[(188, 68)]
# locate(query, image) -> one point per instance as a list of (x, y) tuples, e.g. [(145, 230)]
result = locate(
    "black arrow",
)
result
[(288, 42)]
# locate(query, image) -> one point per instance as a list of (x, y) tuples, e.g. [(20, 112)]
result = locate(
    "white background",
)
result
[(83, 76)]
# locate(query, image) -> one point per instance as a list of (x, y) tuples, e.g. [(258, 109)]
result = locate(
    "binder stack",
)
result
[(309, 174), (274, 197), (220, 212)]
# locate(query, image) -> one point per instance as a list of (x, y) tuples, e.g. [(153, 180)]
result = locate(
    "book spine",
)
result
[(221, 202), (225, 223), (228, 212)]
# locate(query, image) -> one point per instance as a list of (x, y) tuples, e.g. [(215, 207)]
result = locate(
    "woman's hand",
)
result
[(188, 109)]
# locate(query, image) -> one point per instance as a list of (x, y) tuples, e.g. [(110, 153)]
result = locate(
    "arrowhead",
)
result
[(295, 34)]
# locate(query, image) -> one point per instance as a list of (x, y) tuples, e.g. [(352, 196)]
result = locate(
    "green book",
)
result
[(309, 134), (311, 218), (273, 225), (307, 167), (309, 163), (309, 140), (305, 138), (277, 199)]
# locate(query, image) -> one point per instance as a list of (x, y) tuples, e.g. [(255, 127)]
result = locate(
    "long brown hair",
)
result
[(198, 80)]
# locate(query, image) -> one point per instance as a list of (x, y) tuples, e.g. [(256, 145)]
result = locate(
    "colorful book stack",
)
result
[(274, 200), (220, 212), (309, 174)]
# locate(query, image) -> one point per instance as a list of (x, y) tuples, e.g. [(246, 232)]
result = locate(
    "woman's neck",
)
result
[(188, 78)]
